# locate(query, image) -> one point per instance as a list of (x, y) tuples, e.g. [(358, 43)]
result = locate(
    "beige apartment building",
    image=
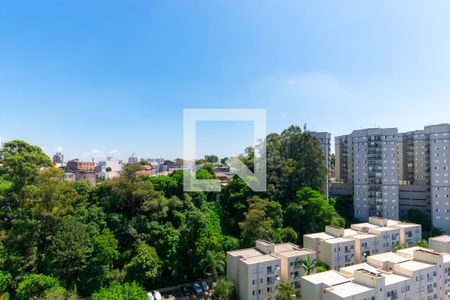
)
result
[(339, 247), (409, 274), (440, 243), (256, 272), (389, 173)]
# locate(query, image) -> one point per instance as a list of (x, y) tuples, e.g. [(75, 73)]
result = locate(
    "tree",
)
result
[(5, 282), (145, 267), (34, 286), (212, 159), (307, 264), (129, 170), (213, 263), (285, 292), (257, 224), (224, 290), (100, 262), (70, 251), (21, 162), (127, 291), (311, 212), (321, 267)]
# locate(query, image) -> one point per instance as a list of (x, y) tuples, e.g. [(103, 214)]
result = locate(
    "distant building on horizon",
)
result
[(133, 159), (58, 158)]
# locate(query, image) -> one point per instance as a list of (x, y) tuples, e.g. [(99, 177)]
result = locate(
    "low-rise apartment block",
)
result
[(440, 243), (339, 247), (256, 272), (410, 274)]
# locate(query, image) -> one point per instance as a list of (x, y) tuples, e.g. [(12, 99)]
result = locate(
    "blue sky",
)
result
[(95, 77)]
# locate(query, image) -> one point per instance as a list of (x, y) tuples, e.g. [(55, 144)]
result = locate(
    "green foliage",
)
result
[(145, 267), (311, 212), (127, 291), (5, 282), (213, 159), (70, 251), (21, 162), (286, 291), (212, 264), (224, 290), (36, 286), (100, 240), (308, 265), (257, 224), (321, 267)]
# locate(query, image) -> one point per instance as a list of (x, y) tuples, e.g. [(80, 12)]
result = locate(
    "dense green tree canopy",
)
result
[(63, 240)]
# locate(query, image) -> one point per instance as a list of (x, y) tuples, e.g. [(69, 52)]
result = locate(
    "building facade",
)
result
[(257, 272)]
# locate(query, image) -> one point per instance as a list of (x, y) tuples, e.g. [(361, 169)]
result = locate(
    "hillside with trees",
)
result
[(68, 240)]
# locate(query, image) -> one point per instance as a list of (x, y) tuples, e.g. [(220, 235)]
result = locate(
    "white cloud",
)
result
[(58, 149)]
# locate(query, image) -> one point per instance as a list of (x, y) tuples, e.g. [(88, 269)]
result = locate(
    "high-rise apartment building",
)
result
[(325, 145), (368, 160), (389, 173), (424, 173)]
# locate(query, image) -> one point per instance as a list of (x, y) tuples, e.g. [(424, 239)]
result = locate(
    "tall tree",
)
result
[(257, 224), (21, 162), (145, 267)]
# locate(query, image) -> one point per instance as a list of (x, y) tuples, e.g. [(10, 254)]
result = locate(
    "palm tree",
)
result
[(212, 264), (307, 264)]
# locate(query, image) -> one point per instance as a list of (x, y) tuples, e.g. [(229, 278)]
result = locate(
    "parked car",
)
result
[(185, 291), (157, 295), (197, 288), (204, 285), (150, 296)]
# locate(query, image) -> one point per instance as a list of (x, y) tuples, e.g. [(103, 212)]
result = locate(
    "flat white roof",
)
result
[(329, 278), (348, 289), (442, 238), (319, 235), (350, 270), (405, 225), (366, 224), (293, 253), (414, 265), (410, 251), (249, 252), (258, 259), (388, 256), (339, 240), (394, 278), (362, 236)]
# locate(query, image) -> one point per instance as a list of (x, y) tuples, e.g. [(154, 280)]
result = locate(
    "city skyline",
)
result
[(115, 77)]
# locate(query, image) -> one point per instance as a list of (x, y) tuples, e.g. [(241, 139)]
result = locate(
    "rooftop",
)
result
[(329, 278), (394, 278), (259, 259), (294, 253), (319, 235), (348, 271), (249, 252), (410, 251), (387, 256), (413, 265), (442, 238), (338, 240), (348, 289)]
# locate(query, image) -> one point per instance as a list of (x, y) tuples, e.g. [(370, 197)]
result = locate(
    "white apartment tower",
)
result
[(375, 178), (424, 173)]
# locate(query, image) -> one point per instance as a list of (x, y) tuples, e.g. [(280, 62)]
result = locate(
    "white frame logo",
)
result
[(255, 180)]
